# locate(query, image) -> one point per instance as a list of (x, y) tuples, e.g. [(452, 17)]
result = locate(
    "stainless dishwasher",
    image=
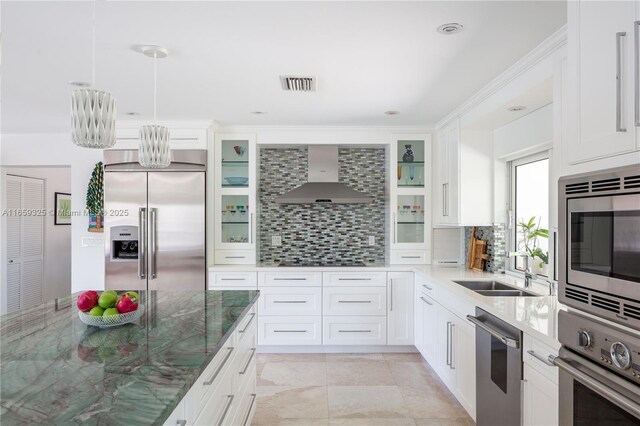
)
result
[(498, 371)]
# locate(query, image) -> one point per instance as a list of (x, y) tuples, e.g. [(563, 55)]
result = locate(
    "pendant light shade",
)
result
[(93, 118), (93, 112), (154, 149)]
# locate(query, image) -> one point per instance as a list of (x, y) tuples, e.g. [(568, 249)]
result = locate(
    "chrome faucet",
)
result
[(529, 276)]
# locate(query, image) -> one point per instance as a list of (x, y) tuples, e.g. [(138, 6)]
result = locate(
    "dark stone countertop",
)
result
[(54, 369)]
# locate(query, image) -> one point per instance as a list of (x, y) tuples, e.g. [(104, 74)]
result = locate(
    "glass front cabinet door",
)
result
[(235, 198), (410, 212)]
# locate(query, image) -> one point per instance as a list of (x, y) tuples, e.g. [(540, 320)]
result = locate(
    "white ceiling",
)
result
[(227, 57)]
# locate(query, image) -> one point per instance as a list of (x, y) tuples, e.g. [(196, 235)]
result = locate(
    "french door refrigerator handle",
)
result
[(153, 242), (142, 243), (636, 40), (619, 127)]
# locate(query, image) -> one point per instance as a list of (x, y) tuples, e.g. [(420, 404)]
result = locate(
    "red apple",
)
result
[(88, 300), (127, 304)]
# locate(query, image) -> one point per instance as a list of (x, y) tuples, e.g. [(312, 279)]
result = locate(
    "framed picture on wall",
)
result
[(62, 209)]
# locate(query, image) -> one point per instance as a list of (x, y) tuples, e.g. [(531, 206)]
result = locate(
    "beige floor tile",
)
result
[(361, 373), (366, 401), (296, 358), (413, 374), (372, 422), (294, 422), (278, 403), (431, 403), (403, 357), (445, 422), (293, 374), (354, 357)]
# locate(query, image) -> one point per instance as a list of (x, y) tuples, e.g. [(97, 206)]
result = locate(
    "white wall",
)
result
[(57, 238), (87, 263), (527, 135)]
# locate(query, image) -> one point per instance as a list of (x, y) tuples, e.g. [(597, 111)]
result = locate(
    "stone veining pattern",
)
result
[(322, 232), (56, 370)]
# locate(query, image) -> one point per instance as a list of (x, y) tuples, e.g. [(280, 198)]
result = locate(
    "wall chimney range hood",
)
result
[(323, 185)]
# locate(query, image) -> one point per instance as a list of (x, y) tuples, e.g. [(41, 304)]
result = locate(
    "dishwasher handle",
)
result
[(509, 341)]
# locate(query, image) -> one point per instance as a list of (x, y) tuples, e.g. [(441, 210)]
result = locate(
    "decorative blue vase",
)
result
[(408, 155)]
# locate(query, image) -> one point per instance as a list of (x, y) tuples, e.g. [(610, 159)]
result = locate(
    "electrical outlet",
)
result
[(276, 240), (372, 240)]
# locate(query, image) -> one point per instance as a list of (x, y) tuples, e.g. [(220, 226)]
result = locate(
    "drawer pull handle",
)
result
[(426, 301), (226, 409), (427, 287), (354, 279), (253, 400), (289, 301), (181, 422), (289, 331), (411, 257), (222, 364), (248, 323), (235, 257), (232, 279), (246, 367), (354, 301), (289, 279), (539, 358), (354, 331)]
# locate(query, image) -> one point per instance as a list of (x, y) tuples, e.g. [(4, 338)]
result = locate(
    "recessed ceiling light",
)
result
[(258, 112), (80, 83), (132, 113), (517, 108), (392, 112), (451, 28), (154, 51)]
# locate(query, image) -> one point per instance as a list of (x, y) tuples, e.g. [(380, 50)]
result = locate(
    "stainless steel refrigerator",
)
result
[(154, 222)]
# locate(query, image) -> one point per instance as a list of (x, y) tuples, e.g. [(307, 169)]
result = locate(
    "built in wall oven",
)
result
[(599, 239)]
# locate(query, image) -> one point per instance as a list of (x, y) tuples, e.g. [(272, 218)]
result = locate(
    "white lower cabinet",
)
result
[(540, 398), (290, 330), (400, 308), (224, 394), (427, 327), (354, 330)]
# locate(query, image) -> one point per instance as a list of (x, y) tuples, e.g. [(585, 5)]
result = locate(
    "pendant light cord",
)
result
[(155, 87), (93, 46)]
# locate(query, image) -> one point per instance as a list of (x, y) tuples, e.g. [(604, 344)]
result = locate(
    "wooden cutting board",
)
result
[(477, 255)]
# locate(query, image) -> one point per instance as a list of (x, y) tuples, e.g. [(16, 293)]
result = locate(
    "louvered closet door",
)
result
[(24, 242)]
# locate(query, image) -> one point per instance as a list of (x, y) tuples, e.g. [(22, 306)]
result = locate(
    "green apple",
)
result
[(133, 294), (107, 300), (96, 311), (110, 311), (115, 293)]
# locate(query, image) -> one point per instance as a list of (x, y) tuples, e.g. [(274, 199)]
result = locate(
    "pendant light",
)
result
[(154, 151), (93, 112)]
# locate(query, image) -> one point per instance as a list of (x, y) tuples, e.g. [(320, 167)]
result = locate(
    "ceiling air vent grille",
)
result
[(605, 303), (577, 188), (631, 311), (298, 83), (605, 185), (580, 296), (632, 182)]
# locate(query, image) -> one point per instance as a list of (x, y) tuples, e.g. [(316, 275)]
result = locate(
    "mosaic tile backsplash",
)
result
[(322, 232), (495, 236)]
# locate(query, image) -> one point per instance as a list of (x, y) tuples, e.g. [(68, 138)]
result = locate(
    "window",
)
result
[(530, 211)]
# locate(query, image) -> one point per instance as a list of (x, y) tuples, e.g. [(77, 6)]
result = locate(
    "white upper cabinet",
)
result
[(603, 82), (463, 178)]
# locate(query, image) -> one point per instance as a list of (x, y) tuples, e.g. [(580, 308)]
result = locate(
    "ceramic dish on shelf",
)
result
[(236, 180), (111, 320)]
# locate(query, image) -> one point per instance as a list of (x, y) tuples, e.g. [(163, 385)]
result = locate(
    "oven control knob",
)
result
[(584, 339), (621, 355)]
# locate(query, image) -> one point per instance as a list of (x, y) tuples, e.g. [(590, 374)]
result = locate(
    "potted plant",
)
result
[(95, 199), (531, 233)]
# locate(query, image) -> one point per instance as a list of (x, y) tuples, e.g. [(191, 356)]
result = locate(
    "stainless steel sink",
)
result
[(494, 289)]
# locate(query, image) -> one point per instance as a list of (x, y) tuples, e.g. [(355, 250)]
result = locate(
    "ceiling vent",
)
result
[(294, 83)]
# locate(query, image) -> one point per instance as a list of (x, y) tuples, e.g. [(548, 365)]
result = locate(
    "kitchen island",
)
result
[(54, 369)]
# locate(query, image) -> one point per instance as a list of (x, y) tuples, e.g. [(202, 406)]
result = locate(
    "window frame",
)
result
[(512, 218)]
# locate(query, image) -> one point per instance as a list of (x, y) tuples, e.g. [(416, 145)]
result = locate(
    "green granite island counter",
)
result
[(188, 360)]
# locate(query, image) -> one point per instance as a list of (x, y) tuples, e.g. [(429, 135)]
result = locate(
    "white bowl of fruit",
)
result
[(109, 309)]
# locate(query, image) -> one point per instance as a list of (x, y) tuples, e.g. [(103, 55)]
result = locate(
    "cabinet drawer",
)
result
[(219, 405), (369, 279), (355, 330), (235, 257), (424, 286), (290, 279), (246, 400), (290, 301), (244, 361), (247, 329), (410, 257), (355, 301), (536, 354), (290, 330), (233, 279)]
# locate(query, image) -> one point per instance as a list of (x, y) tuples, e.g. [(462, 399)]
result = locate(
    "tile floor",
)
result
[(353, 389)]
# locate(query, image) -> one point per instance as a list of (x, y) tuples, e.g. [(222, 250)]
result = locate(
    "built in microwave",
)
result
[(599, 236)]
